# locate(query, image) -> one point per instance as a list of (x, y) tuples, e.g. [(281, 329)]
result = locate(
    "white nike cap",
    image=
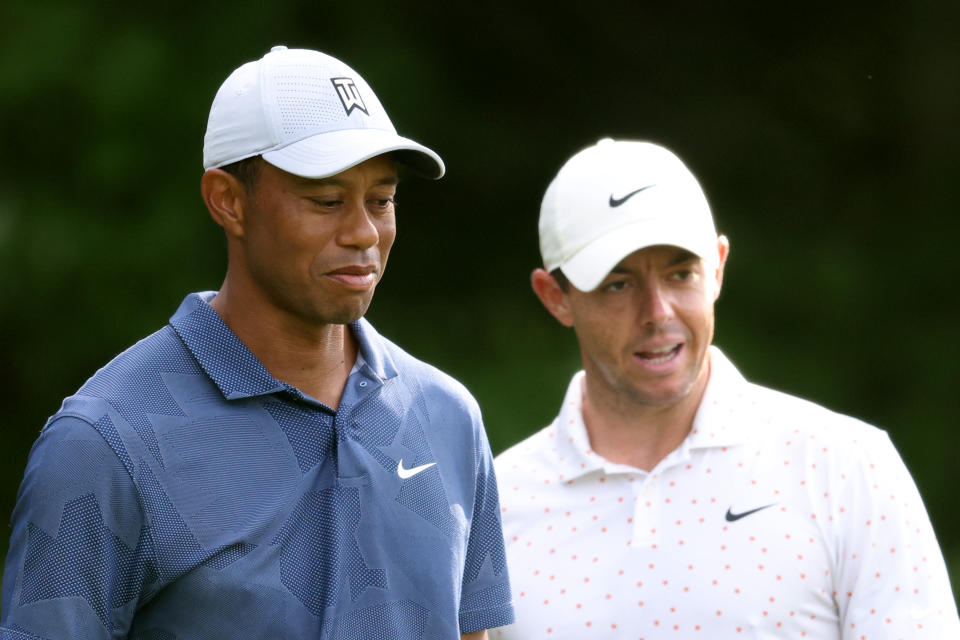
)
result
[(615, 198), (306, 113)]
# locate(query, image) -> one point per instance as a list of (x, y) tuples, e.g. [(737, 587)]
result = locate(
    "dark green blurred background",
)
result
[(824, 136)]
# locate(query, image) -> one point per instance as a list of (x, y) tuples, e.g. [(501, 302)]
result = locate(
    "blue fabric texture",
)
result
[(184, 492)]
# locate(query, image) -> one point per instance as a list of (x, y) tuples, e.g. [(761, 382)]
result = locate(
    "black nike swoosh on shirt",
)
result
[(616, 202), (733, 517)]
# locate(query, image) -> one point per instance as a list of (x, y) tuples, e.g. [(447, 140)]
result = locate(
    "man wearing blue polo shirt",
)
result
[(267, 465)]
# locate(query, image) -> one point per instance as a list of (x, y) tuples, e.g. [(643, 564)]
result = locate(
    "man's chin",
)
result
[(662, 396), (343, 314)]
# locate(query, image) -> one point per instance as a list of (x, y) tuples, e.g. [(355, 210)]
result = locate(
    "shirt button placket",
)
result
[(646, 513)]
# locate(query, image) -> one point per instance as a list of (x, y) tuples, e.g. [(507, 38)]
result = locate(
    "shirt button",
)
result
[(363, 383)]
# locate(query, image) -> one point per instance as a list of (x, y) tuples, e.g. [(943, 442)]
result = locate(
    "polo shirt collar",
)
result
[(720, 418), (717, 422), (233, 367), (576, 456), (377, 357)]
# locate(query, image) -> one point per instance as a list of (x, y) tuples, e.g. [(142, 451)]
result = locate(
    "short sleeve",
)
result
[(892, 581), (486, 601), (80, 552)]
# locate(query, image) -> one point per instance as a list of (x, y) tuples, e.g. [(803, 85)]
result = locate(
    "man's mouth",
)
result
[(661, 355), (355, 276)]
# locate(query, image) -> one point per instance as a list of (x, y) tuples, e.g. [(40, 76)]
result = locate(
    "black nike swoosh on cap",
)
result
[(733, 517), (616, 202)]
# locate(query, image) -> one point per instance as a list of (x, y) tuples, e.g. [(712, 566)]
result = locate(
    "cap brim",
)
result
[(587, 268), (327, 154)]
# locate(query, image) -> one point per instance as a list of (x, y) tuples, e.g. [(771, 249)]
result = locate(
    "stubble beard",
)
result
[(632, 394), (312, 309)]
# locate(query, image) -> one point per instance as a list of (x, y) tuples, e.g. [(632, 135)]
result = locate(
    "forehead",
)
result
[(657, 256)]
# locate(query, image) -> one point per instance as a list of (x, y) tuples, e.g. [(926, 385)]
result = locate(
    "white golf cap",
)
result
[(615, 198), (306, 113)]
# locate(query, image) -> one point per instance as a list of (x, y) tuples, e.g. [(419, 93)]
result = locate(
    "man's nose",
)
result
[(357, 228), (656, 308)]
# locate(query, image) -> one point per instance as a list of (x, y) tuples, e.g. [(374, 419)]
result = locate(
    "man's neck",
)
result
[(315, 359), (625, 432)]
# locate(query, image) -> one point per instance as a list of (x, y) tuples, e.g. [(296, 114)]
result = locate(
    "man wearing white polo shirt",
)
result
[(672, 498)]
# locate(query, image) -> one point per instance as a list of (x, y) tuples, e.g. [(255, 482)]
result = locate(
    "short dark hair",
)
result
[(246, 171), (561, 279)]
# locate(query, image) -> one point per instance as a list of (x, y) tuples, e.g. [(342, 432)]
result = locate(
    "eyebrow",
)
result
[(683, 256)]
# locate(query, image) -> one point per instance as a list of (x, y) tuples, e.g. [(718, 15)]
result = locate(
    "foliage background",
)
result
[(824, 135)]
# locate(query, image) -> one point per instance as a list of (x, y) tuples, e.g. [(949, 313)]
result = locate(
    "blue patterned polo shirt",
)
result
[(184, 492)]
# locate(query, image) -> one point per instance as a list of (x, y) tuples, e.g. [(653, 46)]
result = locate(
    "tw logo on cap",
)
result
[(349, 95)]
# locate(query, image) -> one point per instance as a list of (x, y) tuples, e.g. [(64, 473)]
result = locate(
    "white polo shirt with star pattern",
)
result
[(775, 518)]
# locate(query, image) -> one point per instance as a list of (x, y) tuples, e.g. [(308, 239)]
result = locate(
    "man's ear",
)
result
[(552, 296), (723, 248), (226, 199)]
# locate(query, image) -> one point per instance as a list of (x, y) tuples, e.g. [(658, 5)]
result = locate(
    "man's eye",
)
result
[(380, 206), (683, 274), (325, 203), (616, 285)]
